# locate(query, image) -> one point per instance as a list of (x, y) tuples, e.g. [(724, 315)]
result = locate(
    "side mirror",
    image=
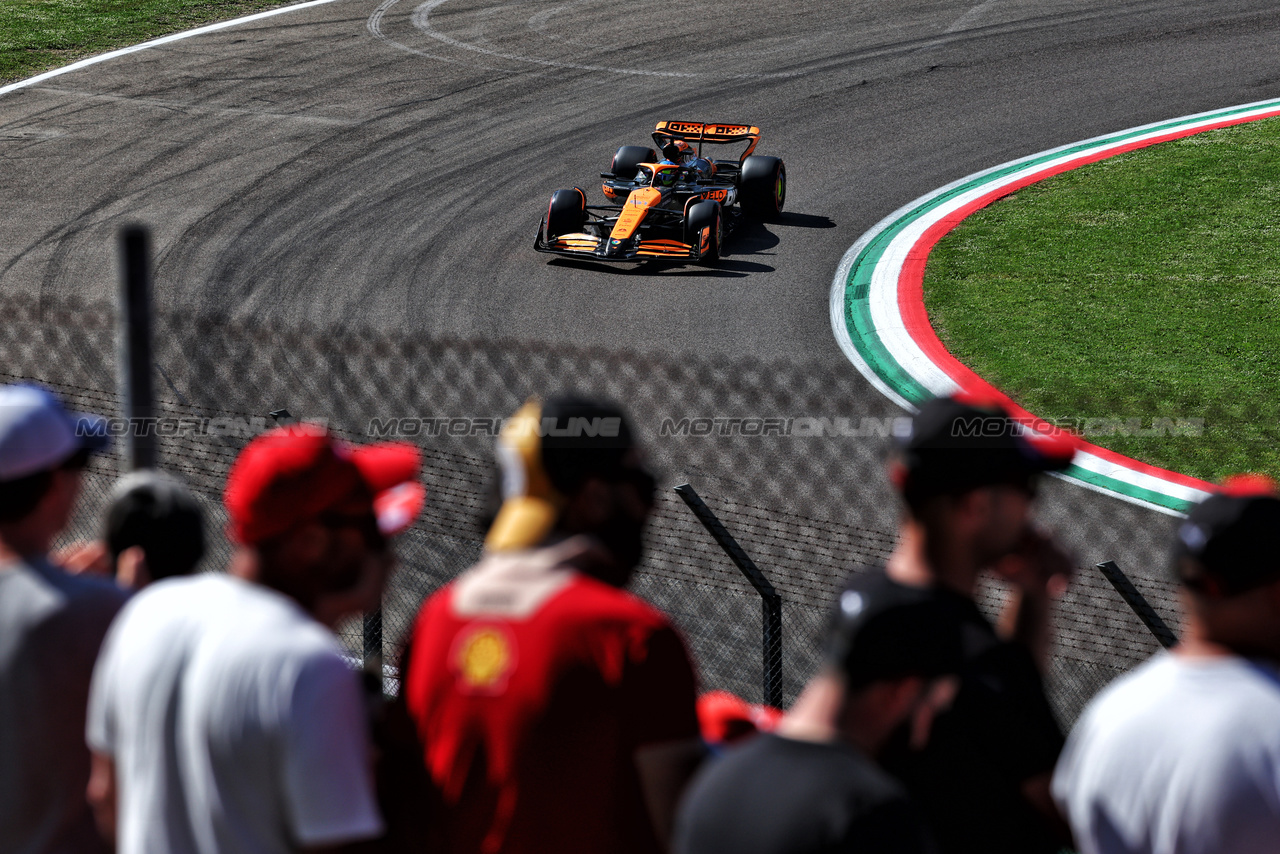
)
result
[(609, 175)]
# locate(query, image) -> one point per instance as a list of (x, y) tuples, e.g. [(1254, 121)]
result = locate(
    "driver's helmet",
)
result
[(678, 151), (665, 177)]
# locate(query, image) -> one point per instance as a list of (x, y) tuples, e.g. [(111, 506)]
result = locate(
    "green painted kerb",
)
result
[(1121, 487)]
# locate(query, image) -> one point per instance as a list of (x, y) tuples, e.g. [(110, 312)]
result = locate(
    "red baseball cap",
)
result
[(294, 474)]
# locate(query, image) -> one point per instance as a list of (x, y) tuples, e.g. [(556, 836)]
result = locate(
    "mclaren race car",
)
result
[(677, 205)]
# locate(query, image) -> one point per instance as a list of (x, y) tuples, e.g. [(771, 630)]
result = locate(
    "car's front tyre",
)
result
[(566, 213), (704, 229)]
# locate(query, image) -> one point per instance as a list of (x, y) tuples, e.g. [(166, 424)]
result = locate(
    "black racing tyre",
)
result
[(629, 157), (702, 215), (566, 213), (762, 189)]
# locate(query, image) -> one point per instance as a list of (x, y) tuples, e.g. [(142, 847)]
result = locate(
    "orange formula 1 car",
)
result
[(673, 206)]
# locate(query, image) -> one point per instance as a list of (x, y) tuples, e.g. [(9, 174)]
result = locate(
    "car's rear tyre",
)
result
[(703, 215), (629, 157), (566, 213), (762, 189)]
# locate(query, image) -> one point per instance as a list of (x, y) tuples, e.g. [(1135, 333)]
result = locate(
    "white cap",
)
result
[(37, 434)]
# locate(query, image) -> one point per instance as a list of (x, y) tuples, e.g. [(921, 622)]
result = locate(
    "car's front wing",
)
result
[(590, 247)]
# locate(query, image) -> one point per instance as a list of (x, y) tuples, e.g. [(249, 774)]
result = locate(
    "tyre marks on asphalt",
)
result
[(421, 21)]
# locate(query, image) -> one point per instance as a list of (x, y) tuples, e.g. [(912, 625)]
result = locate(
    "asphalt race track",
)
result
[(387, 164), (383, 164)]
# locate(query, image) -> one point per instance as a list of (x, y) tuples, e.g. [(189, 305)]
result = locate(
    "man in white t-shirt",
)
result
[(223, 716), (1182, 756)]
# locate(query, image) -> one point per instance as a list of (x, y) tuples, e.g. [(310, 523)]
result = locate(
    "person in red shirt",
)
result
[(556, 710)]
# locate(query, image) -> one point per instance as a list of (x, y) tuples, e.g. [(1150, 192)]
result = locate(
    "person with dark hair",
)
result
[(51, 626), (1182, 754), (223, 715), (556, 710), (812, 785), (154, 529), (967, 473)]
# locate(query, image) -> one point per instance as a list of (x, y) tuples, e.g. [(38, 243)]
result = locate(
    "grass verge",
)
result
[(37, 35), (1139, 288)]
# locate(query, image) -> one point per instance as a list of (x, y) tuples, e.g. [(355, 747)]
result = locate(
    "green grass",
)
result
[(1144, 286), (37, 35)]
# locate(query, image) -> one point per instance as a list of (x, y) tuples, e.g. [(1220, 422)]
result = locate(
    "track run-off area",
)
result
[(878, 310), (382, 165)]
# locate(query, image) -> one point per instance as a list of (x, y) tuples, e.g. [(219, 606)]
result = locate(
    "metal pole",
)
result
[(1138, 603), (373, 642), (771, 602), (135, 360)]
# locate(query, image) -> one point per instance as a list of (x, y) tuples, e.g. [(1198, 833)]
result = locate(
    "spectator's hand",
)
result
[(84, 558), (1038, 566)]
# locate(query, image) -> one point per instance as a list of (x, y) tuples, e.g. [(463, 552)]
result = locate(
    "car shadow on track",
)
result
[(800, 220), (725, 268)]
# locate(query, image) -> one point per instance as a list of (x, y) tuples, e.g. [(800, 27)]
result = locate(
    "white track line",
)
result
[(199, 31)]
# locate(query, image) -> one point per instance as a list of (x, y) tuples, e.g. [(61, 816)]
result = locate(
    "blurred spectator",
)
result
[(1183, 754), (554, 706), (726, 718), (154, 529), (812, 786), (223, 712), (51, 626), (967, 473)]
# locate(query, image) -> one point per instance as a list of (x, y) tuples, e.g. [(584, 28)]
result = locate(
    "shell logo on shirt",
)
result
[(483, 657)]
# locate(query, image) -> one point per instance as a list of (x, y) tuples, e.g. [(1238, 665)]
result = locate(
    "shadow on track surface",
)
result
[(722, 269)]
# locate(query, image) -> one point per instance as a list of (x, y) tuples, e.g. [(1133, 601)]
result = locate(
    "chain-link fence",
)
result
[(789, 454)]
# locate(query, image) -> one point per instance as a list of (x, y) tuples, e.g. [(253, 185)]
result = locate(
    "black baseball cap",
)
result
[(546, 451), (885, 630), (958, 443), (1230, 542)]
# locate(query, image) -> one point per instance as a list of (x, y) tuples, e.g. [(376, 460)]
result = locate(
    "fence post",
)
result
[(771, 602), (135, 346), (372, 646), (1138, 603)]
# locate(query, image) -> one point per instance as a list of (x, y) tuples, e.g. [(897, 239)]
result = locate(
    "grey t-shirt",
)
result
[(51, 626), (1181, 755)]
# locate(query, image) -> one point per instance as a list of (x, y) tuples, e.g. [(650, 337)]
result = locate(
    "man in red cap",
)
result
[(556, 709), (223, 716)]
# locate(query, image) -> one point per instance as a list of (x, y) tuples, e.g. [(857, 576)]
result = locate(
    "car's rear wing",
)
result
[(700, 132)]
